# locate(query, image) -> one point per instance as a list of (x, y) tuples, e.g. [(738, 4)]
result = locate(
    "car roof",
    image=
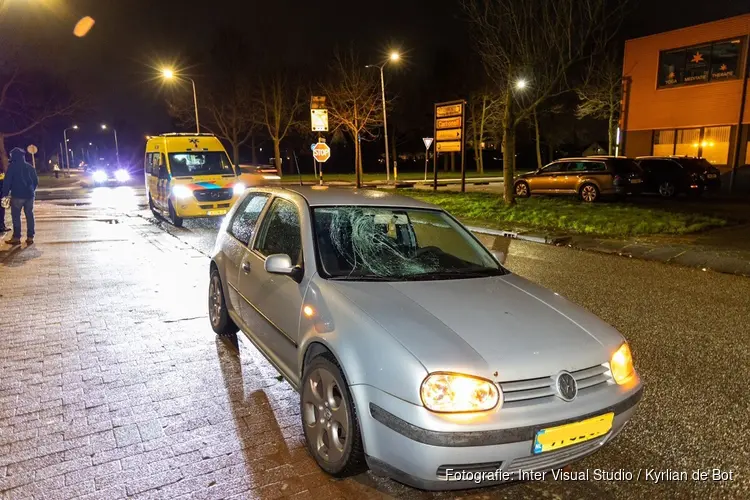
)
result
[(317, 196), (669, 157)]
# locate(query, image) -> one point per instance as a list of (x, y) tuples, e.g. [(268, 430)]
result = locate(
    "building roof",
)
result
[(326, 195)]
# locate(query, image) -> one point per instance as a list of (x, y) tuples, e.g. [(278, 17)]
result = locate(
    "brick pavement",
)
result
[(113, 385)]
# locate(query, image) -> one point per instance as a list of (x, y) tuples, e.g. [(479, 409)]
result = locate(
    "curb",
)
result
[(695, 259)]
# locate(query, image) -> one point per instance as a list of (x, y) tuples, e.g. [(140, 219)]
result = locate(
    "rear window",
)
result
[(696, 164), (624, 166)]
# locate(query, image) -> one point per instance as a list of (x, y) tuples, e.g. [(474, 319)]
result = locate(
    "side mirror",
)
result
[(500, 256), (280, 263)]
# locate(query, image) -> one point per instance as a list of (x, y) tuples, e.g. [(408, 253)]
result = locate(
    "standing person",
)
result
[(3, 228), (20, 183)]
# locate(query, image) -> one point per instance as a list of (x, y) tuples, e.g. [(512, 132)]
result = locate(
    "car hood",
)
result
[(503, 328)]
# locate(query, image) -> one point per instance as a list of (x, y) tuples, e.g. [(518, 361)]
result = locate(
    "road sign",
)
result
[(448, 147), (318, 102), (427, 142), (312, 146), (453, 134), (443, 123), (322, 152), (451, 109), (319, 119), (32, 149)]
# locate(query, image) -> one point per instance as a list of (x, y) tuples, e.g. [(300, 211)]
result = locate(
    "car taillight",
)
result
[(618, 178)]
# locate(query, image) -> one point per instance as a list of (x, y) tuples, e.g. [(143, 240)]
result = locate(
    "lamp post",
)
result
[(65, 136), (168, 74), (393, 57), (117, 148)]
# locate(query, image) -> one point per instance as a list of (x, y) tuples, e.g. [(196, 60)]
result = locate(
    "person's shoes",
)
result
[(13, 241), (29, 241)]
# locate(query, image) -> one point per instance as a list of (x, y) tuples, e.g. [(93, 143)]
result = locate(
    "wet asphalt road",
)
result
[(690, 334)]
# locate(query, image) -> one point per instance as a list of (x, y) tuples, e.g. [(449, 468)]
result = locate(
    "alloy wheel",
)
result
[(666, 189), (326, 415), (588, 193), (522, 189), (215, 304)]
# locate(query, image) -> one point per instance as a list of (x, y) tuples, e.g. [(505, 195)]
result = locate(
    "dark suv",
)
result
[(672, 175), (589, 178)]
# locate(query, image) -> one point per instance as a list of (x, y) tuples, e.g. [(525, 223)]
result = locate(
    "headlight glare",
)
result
[(122, 175), (621, 365), (181, 192), (456, 393), (99, 176), (239, 188)]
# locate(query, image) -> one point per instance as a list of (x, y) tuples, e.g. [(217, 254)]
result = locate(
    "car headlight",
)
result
[(181, 191), (122, 175), (455, 393), (239, 188), (99, 176), (621, 365)]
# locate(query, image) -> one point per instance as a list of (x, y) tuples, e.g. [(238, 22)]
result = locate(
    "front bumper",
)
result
[(194, 209), (445, 460)]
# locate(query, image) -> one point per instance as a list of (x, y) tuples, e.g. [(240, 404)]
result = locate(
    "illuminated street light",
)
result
[(65, 136), (117, 148), (394, 57), (520, 84), (168, 74)]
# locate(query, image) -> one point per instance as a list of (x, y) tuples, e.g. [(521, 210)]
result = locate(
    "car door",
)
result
[(569, 179), (240, 231), (162, 187), (272, 303), (545, 181)]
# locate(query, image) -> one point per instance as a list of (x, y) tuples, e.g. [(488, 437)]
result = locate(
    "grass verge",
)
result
[(568, 215)]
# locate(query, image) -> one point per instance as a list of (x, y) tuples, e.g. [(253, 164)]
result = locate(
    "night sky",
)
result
[(115, 64)]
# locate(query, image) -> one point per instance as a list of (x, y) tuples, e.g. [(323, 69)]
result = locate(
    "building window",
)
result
[(714, 61), (715, 145), (711, 143)]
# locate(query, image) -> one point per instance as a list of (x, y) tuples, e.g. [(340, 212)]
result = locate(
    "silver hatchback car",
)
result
[(415, 352)]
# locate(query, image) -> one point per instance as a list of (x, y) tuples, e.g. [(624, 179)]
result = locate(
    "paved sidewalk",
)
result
[(113, 385)]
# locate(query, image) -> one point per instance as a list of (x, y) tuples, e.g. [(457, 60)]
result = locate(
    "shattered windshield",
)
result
[(396, 244)]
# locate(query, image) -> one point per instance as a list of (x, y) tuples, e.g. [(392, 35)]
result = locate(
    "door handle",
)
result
[(246, 267)]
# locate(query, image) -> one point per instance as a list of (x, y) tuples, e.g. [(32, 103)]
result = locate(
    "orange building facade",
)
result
[(685, 93)]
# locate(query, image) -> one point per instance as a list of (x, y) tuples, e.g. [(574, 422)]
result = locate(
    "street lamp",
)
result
[(168, 74), (521, 84), (65, 136), (394, 57), (117, 148)]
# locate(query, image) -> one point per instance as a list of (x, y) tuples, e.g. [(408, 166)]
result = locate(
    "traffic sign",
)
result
[(32, 149), (319, 119), (427, 142), (452, 134), (322, 152)]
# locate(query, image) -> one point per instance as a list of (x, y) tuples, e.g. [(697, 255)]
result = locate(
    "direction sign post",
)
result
[(427, 143), (321, 153), (450, 135), (33, 150)]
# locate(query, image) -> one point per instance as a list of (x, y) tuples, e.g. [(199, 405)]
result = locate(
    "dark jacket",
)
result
[(20, 179)]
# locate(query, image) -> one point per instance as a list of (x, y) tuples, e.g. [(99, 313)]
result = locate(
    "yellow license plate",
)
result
[(216, 212), (635, 181), (561, 436)]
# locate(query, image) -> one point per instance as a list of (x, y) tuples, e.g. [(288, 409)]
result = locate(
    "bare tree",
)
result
[(280, 105), (600, 97), (27, 101), (354, 103), (530, 48), (485, 116), (227, 111)]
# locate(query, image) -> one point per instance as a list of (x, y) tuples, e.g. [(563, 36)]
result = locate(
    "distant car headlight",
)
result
[(455, 393), (122, 175), (99, 176), (239, 188), (181, 191), (621, 365)]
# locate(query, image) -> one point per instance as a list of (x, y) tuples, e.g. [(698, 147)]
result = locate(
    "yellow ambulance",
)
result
[(190, 175)]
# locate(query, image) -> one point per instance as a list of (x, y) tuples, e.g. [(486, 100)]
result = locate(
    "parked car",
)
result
[(416, 353), (672, 175), (590, 178)]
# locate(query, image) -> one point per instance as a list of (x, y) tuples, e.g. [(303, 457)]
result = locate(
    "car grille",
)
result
[(208, 195), (556, 459), (541, 390), (442, 471)]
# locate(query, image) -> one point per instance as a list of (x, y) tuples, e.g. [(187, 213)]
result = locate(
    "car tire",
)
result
[(522, 189), (176, 221), (218, 314), (588, 193), (667, 189), (152, 206), (328, 413)]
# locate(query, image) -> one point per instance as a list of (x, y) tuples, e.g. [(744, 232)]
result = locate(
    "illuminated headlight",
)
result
[(454, 393), (239, 188), (99, 176), (122, 175), (621, 365), (181, 192)]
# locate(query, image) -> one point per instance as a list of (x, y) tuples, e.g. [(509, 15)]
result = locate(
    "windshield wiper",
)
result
[(457, 274)]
